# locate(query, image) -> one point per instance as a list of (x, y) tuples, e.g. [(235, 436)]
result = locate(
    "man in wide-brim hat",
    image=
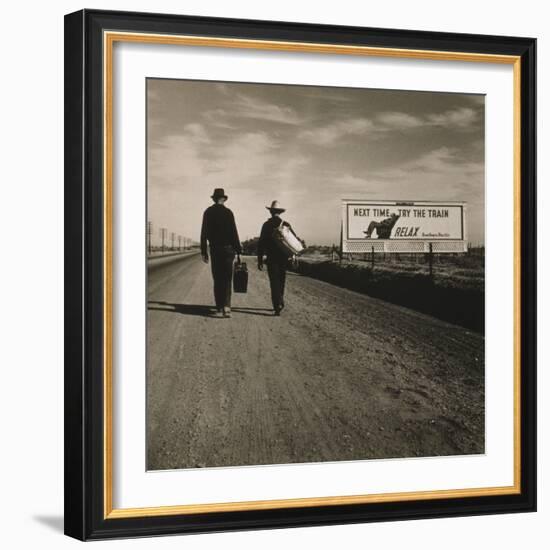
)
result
[(219, 231), (276, 259)]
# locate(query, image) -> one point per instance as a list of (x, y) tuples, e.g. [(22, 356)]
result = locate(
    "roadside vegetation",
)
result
[(454, 293)]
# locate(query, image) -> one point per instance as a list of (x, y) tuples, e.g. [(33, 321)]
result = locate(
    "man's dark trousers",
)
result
[(221, 262), (276, 271)]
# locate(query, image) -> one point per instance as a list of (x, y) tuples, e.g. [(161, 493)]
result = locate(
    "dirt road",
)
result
[(339, 376)]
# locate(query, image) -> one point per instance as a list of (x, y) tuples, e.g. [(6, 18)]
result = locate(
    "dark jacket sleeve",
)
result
[(235, 238), (262, 243), (204, 249)]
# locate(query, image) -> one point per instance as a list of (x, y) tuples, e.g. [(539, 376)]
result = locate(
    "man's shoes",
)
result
[(278, 311), (218, 313), (227, 312)]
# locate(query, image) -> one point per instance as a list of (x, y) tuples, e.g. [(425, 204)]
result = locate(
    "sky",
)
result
[(307, 147)]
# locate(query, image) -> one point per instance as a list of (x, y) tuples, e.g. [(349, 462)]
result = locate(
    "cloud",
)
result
[(330, 95), (436, 160), (254, 108), (397, 121), (332, 133), (243, 159), (476, 99), (443, 164), (458, 118), (244, 106), (219, 118), (183, 159), (463, 118), (288, 170), (153, 95), (196, 133), (440, 161), (440, 174)]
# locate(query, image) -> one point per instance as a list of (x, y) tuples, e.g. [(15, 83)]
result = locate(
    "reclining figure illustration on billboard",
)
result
[(383, 228)]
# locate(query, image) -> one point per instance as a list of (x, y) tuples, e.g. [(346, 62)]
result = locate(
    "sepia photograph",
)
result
[(300, 274), (315, 274)]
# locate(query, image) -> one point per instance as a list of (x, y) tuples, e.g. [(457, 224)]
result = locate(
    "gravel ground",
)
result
[(339, 376)]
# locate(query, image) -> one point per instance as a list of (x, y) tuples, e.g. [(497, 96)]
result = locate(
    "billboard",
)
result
[(403, 226)]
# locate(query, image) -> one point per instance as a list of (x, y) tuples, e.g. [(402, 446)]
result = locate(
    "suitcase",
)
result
[(240, 276), (286, 241)]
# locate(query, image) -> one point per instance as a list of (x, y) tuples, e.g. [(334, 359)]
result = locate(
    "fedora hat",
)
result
[(218, 194), (275, 207)]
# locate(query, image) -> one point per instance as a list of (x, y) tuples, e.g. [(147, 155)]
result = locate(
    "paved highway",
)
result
[(339, 376)]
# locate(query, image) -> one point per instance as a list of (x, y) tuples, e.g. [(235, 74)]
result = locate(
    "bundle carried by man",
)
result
[(287, 241)]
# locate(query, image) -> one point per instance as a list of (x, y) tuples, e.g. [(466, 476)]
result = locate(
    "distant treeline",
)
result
[(250, 247)]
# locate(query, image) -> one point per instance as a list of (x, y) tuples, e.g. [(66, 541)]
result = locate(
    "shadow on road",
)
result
[(253, 310), (202, 310)]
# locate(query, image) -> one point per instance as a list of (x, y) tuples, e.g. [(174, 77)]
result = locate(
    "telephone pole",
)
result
[(149, 235), (179, 243), (172, 236), (163, 233)]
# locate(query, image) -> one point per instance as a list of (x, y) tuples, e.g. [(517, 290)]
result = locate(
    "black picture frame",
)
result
[(84, 281)]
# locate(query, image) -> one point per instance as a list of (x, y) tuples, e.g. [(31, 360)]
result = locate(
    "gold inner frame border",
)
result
[(109, 39)]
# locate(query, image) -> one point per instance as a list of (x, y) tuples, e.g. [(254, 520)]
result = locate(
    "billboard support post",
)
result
[(341, 244), (431, 261), (372, 258)]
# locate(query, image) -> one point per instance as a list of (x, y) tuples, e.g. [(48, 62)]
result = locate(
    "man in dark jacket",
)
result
[(276, 259), (220, 232)]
